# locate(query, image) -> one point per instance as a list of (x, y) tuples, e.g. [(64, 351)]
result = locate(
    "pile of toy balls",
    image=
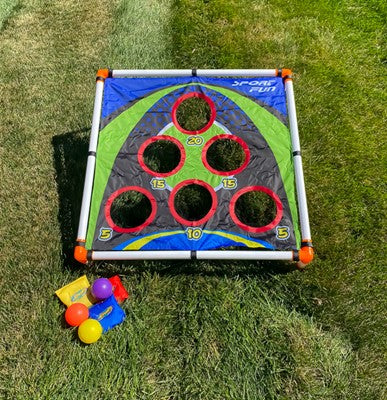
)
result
[(93, 309)]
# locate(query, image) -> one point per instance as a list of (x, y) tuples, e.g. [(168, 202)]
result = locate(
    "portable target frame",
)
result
[(135, 108)]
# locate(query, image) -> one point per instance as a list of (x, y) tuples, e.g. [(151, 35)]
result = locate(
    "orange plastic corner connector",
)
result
[(80, 254), (306, 254), (103, 73), (286, 73)]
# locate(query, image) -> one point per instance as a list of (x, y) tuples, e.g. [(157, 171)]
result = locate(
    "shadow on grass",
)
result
[(70, 157), (169, 268)]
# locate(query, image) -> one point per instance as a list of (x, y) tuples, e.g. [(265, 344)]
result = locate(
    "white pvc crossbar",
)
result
[(126, 73), (244, 255), (186, 255)]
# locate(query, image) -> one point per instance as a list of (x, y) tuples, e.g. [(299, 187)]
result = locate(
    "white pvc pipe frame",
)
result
[(200, 254)]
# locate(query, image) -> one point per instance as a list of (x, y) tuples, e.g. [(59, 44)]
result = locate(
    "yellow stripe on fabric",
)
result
[(248, 243), (138, 244)]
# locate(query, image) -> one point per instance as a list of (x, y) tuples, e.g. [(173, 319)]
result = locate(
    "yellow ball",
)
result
[(89, 331)]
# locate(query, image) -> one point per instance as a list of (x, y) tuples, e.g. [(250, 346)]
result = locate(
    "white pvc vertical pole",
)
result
[(300, 184), (88, 186)]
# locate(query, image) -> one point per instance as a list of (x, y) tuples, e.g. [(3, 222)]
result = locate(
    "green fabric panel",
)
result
[(193, 166), (113, 136), (110, 141), (277, 136)]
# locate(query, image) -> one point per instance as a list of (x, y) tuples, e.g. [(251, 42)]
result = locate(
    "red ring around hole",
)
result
[(259, 229), (221, 137), (140, 155), (115, 194), (183, 221), (188, 96)]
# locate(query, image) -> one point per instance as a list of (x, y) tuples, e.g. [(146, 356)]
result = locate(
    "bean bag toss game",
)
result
[(227, 185)]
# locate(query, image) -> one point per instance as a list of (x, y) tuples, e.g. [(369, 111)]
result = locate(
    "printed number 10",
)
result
[(193, 233)]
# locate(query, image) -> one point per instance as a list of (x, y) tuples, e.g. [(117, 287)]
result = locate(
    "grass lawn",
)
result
[(195, 330), (7, 9)]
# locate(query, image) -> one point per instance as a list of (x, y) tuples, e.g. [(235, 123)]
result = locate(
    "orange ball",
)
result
[(76, 314)]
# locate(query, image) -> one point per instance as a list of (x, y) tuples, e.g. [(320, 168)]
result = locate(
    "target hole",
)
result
[(193, 113), (161, 155), (130, 210), (192, 202), (256, 209), (226, 155)]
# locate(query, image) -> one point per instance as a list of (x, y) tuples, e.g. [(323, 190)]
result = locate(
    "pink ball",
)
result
[(102, 289)]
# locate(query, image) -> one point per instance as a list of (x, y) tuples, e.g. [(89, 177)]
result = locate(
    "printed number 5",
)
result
[(282, 232), (105, 234)]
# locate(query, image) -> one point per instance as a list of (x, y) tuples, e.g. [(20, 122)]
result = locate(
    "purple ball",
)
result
[(102, 289)]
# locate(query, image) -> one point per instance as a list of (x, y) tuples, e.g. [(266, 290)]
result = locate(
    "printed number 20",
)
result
[(195, 141)]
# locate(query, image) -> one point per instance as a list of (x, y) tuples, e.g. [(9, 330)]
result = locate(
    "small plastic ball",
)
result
[(102, 289), (76, 313), (89, 331)]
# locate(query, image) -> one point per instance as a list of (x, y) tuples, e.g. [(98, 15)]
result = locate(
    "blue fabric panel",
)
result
[(120, 91), (180, 241)]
